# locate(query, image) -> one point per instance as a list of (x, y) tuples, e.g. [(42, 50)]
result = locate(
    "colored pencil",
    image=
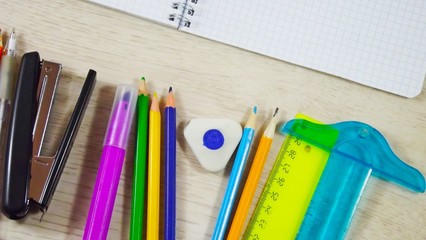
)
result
[(170, 204), (154, 141), (138, 188), (235, 178), (252, 179)]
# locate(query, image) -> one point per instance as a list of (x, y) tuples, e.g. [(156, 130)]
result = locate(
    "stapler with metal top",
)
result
[(29, 178)]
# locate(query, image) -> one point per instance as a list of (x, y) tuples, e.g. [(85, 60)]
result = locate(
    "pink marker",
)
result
[(111, 163)]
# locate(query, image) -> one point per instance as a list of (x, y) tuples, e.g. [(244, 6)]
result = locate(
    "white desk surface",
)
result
[(209, 79)]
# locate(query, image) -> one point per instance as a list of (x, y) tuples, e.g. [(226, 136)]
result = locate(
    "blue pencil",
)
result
[(170, 203), (235, 178)]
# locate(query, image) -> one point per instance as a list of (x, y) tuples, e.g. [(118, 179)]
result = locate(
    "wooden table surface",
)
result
[(210, 80)]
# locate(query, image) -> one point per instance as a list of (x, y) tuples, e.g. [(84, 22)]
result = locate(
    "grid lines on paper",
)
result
[(372, 42)]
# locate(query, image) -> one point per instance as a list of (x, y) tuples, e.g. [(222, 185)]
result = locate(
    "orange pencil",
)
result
[(252, 179)]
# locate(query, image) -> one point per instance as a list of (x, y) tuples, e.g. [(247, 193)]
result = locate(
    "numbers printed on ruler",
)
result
[(286, 195)]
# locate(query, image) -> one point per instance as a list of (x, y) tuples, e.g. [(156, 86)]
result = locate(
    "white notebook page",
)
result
[(155, 10), (379, 43)]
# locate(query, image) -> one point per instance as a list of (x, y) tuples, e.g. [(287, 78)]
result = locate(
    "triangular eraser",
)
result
[(213, 141)]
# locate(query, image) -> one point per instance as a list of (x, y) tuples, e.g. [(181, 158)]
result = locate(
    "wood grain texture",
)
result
[(209, 79)]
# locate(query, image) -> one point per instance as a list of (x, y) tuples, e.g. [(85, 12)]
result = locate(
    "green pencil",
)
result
[(138, 203)]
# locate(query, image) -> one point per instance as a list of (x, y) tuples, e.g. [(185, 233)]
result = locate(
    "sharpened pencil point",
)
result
[(154, 103), (275, 112), (142, 87), (255, 109), (170, 102)]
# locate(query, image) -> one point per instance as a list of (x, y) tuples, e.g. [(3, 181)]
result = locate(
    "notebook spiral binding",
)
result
[(184, 10)]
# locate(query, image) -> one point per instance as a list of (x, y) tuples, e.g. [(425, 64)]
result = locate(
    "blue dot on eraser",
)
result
[(213, 139)]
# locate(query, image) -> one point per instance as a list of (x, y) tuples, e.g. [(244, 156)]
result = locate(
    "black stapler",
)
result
[(31, 179)]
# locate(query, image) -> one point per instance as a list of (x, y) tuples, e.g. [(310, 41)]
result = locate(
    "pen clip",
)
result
[(46, 171)]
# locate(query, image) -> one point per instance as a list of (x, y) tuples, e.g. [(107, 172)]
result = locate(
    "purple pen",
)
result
[(111, 163)]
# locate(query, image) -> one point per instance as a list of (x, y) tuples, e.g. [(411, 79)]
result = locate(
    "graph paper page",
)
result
[(377, 43), (155, 10)]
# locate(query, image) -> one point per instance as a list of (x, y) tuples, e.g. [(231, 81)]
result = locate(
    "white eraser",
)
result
[(213, 141)]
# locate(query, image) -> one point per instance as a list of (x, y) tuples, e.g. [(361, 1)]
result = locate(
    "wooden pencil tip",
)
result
[(251, 122), (275, 112), (154, 103), (142, 87), (170, 102)]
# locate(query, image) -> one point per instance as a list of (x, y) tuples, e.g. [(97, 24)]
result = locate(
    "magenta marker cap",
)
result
[(121, 117)]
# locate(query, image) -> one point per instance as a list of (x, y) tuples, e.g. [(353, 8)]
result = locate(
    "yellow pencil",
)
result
[(153, 203), (252, 180)]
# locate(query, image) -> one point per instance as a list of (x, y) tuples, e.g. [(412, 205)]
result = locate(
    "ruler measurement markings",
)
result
[(279, 203)]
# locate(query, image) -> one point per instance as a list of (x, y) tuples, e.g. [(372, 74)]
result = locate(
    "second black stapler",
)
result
[(29, 178)]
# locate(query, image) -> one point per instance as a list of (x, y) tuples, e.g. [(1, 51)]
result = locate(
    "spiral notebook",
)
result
[(372, 42)]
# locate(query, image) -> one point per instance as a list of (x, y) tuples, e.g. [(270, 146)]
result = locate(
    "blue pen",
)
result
[(235, 178)]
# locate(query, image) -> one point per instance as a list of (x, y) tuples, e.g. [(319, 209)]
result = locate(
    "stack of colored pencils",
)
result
[(148, 151)]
